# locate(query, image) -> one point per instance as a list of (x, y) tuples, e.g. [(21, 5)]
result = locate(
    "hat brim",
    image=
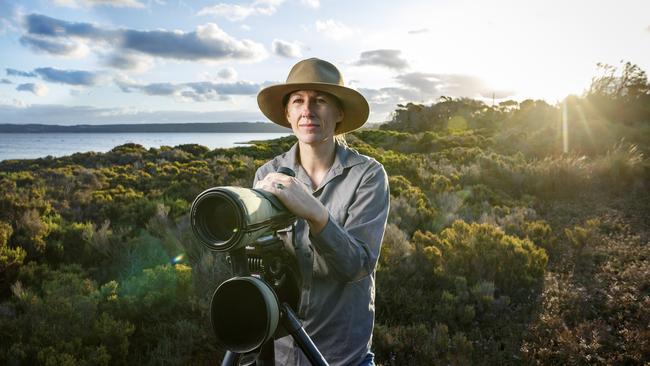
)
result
[(355, 106)]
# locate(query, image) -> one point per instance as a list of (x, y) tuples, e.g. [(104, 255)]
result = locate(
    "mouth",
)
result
[(309, 125)]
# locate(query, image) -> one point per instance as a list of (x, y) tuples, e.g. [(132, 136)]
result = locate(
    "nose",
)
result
[(308, 108)]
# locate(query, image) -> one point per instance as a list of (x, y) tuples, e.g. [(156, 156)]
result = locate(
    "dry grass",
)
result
[(594, 307)]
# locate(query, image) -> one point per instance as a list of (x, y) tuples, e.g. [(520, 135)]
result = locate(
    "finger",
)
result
[(277, 177), (275, 186), (266, 184)]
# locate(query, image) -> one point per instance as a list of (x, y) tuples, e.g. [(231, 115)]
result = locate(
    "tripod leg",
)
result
[(231, 359), (293, 326)]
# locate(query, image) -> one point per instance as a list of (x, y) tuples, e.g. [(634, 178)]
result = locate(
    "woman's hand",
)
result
[(297, 198)]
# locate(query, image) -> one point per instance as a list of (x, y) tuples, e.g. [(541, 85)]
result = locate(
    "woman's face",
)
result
[(313, 115)]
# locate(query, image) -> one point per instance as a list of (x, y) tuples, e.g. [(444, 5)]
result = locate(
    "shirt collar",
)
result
[(344, 157)]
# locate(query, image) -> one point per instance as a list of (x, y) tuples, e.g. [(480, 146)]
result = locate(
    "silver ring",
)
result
[(279, 186)]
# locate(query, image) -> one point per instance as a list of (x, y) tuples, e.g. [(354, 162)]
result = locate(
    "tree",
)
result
[(621, 94)]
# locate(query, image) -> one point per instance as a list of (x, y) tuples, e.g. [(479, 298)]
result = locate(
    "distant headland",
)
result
[(240, 127)]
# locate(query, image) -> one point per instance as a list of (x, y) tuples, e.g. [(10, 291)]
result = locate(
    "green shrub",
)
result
[(56, 320), (156, 292), (410, 207), (583, 236), (10, 258), (482, 252)]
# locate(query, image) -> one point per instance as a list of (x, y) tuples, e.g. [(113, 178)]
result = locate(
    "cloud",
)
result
[(386, 99), (236, 88), (227, 73), (311, 3), (386, 58), (286, 49), (234, 12), (70, 77), (67, 115), (208, 42), (200, 91), (14, 72), (419, 31), (48, 35), (129, 61), (5, 81), (8, 16), (333, 29), (431, 85), (38, 89), (160, 88), (53, 46), (5, 25), (424, 82), (91, 3), (420, 87), (42, 25)]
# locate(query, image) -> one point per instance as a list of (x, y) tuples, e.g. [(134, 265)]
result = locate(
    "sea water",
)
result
[(39, 145)]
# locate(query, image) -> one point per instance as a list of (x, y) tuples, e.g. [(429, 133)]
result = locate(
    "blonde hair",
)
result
[(340, 139)]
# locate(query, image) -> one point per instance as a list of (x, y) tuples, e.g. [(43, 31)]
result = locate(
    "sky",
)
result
[(168, 61)]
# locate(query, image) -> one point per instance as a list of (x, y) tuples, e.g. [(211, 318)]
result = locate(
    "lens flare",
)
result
[(178, 258)]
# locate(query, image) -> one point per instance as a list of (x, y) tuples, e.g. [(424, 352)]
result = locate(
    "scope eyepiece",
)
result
[(286, 171)]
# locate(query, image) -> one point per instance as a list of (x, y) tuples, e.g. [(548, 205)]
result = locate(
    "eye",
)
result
[(297, 100), (321, 100)]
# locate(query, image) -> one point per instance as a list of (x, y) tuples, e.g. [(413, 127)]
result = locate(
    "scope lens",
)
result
[(218, 219)]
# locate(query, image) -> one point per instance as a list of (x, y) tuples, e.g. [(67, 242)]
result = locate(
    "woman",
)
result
[(341, 198)]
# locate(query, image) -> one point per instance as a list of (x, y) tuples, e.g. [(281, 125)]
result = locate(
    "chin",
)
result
[(313, 139)]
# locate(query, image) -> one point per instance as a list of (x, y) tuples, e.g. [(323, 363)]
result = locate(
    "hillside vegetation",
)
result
[(518, 234)]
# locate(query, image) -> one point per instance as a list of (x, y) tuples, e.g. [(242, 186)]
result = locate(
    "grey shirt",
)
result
[(337, 300)]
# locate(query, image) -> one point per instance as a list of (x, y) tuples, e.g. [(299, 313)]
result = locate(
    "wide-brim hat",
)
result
[(319, 75)]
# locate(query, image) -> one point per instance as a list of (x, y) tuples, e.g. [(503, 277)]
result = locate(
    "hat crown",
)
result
[(314, 70)]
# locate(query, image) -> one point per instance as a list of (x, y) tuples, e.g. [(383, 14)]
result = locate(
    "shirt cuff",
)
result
[(331, 233)]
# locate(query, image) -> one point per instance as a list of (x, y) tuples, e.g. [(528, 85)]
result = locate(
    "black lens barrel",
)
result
[(217, 219)]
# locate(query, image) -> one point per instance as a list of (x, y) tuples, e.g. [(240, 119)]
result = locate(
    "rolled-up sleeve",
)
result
[(352, 250)]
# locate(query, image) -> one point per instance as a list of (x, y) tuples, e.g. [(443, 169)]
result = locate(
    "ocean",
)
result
[(39, 145)]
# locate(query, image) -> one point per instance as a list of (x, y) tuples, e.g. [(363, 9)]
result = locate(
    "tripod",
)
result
[(251, 325)]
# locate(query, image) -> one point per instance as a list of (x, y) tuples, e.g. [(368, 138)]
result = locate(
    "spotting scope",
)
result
[(229, 218), (254, 307)]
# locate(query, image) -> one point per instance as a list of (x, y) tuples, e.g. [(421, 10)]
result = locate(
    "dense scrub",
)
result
[(517, 234)]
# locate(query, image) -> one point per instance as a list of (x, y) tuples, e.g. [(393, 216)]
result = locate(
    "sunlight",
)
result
[(583, 120), (565, 128)]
